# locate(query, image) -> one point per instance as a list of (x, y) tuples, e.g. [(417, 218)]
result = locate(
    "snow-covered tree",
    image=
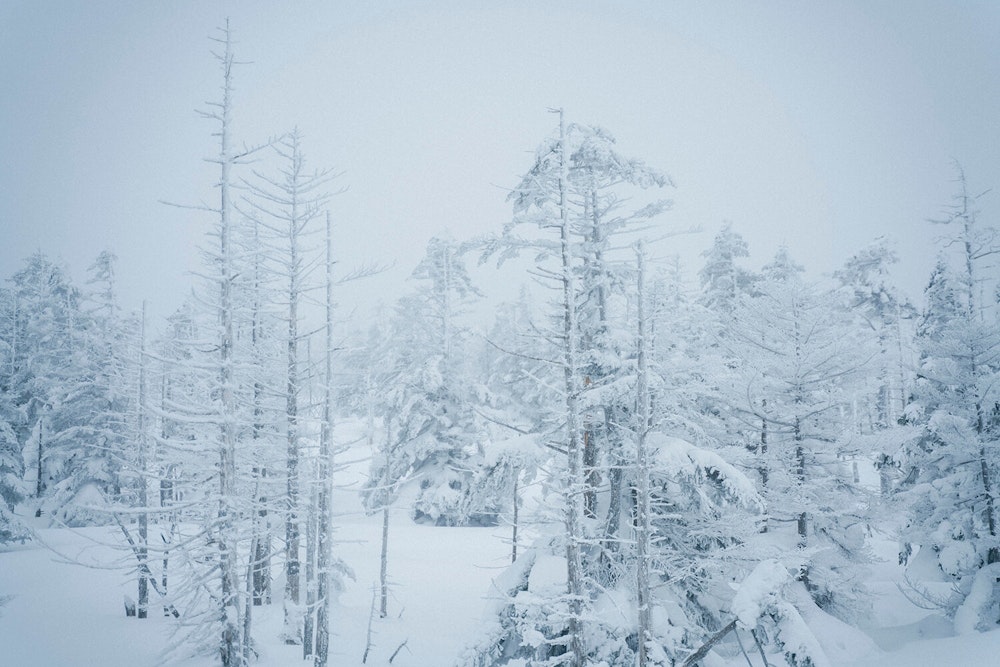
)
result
[(722, 279), (434, 438), (796, 366), (12, 487), (882, 311), (44, 366), (290, 206), (212, 411), (953, 468), (538, 619)]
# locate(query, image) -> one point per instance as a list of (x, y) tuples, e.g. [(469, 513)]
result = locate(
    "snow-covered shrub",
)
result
[(760, 603)]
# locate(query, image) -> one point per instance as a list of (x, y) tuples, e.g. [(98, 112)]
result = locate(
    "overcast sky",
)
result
[(815, 125)]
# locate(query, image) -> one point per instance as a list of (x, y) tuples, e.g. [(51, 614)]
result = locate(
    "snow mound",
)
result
[(759, 591)]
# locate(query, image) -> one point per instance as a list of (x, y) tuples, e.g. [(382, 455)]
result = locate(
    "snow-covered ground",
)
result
[(66, 592), (65, 606)]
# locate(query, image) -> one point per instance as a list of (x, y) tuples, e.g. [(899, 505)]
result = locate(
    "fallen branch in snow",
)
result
[(707, 646)]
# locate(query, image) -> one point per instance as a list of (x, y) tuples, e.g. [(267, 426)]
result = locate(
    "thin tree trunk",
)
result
[(797, 435), (993, 554), (762, 463), (612, 524), (307, 630), (248, 603), (575, 484), (800, 475), (166, 496), (14, 340), (230, 645), (143, 552), (39, 485), (325, 452), (901, 362), (293, 629), (261, 571), (643, 537), (517, 502), (591, 474), (383, 578)]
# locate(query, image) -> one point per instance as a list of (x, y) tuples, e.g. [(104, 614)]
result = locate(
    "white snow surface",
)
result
[(798, 639), (66, 590), (66, 607)]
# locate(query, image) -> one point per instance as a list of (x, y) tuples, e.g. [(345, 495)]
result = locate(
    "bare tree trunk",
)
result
[(797, 435), (993, 554), (575, 484), (248, 602), (307, 629), (903, 398), (143, 551), (384, 552), (13, 338), (325, 453), (166, 497), (261, 570), (762, 465), (383, 578), (883, 400), (612, 524), (800, 476), (643, 534), (292, 632), (517, 502), (39, 484), (590, 472), (591, 446), (230, 644)]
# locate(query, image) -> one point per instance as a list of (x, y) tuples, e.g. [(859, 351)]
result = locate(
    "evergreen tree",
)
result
[(44, 363), (722, 279), (12, 488), (797, 368), (432, 430), (953, 468), (880, 310)]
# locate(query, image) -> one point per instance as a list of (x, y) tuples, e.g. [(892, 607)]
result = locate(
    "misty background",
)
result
[(813, 125)]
